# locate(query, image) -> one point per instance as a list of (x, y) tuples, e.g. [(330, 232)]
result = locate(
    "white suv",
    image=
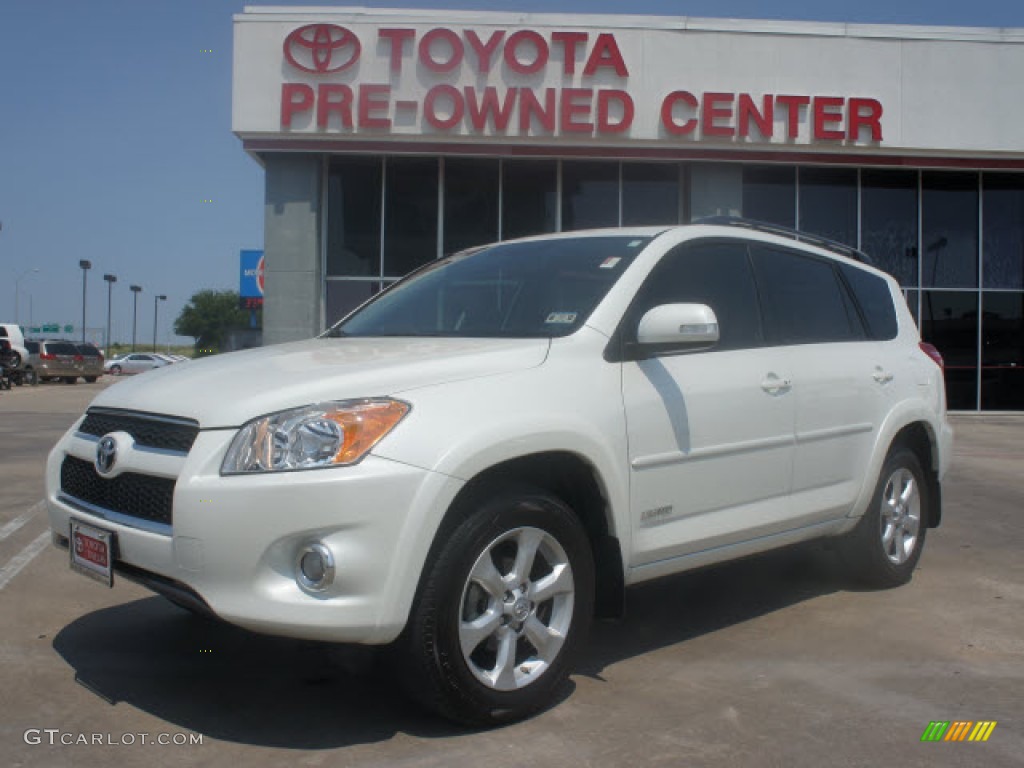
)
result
[(476, 462)]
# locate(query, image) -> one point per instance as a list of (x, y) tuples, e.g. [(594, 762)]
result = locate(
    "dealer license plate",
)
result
[(92, 552)]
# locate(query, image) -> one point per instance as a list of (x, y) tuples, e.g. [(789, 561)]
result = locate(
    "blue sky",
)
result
[(116, 126)]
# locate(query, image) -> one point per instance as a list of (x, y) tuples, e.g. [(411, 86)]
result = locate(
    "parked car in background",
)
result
[(136, 362), (56, 359), (92, 361), (12, 346)]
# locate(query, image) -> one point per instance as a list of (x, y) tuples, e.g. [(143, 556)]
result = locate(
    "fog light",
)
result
[(315, 567)]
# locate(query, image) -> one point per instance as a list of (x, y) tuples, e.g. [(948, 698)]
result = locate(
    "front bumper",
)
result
[(234, 540)]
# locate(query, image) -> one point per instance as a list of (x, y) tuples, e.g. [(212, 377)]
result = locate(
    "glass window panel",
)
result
[(650, 194), (889, 222), (1004, 230), (949, 320), (1002, 351), (528, 198), (345, 295), (828, 203), (353, 216), (590, 195), (949, 211), (410, 214), (470, 203), (769, 194), (801, 298)]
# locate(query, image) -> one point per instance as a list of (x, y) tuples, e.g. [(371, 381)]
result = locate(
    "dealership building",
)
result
[(393, 137)]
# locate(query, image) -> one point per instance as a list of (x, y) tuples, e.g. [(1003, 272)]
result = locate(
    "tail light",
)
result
[(933, 353), (47, 356), (79, 358)]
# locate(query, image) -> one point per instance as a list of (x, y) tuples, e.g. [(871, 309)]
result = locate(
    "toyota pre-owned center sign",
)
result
[(392, 137)]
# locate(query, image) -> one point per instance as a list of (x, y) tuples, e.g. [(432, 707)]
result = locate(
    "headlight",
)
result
[(315, 436)]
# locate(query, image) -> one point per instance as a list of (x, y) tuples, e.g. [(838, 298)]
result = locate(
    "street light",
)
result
[(86, 265), (17, 282), (156, 303), (135, 289), (111, 279)]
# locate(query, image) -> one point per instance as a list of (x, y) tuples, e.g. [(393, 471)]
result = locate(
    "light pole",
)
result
[(156, 303), (86, 265), (135, 289), (111, 279), (17, 297)]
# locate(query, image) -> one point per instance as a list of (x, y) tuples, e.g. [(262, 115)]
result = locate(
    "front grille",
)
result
[(151, 431), (142, 496)]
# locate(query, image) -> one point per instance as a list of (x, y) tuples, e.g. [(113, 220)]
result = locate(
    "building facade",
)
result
[(393, 137)]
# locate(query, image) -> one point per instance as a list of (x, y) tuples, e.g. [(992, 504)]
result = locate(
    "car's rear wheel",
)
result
[(70, 379), (502, 611), (884, 548), (90, 379), (115, 370)]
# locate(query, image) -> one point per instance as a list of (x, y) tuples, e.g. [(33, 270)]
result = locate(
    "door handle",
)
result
[(773, 385), (881, 376)]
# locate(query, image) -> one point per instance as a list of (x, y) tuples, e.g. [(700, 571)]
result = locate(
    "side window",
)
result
[(716, 273), (32, 347), (875, 301), (802, 298)]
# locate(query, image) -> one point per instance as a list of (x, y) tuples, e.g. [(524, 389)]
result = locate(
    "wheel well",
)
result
[(917, 437), (573, 480)]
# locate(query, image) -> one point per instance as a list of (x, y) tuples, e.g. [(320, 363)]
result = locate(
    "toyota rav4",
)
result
[(482, 458)]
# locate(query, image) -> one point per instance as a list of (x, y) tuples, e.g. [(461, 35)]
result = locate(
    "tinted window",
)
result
[(88, 350), (1002, 352), (32, 347), (1004, 230), (590, 195), (713, 273), (769, 194), (875, 301), (410, 214), (889, 221), (529, 199), (949, 320), (353, 218), (650, 194), (470, 203), (61, 348), (949, 215), (801, 297), (828, 203)]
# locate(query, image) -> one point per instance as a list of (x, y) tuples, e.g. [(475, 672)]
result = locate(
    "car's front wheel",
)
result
[(115, 370), (501, 611), (883, 550)]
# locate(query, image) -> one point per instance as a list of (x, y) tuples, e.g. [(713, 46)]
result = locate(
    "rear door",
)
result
[(710, 433), (839, 381)]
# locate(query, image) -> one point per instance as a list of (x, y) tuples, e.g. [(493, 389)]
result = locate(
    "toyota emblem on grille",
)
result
[(106, 455)]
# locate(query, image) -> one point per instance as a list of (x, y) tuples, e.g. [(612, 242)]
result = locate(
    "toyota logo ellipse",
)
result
[(322, 48), (106, 455)]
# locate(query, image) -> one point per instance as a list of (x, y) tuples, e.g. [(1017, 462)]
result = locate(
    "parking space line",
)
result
[(9, 528), (23, 558)]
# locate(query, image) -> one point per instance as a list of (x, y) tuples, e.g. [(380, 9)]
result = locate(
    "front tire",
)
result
[(884, 548), (115, 370), (502, 611)]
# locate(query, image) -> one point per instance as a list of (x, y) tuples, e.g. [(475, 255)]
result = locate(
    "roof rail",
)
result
[(794, 234)]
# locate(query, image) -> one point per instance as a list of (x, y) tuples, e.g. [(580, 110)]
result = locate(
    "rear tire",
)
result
[(115, 370), (90, 379), (884, 548), (501, 612), (70, 379)]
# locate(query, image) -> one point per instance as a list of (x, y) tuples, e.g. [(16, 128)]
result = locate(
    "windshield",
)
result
[(541, 288)]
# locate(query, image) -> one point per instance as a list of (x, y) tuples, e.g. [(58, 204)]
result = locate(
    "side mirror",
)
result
[(672, 327)]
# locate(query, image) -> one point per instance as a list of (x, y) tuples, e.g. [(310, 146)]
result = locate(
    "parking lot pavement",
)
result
[(770, 661)]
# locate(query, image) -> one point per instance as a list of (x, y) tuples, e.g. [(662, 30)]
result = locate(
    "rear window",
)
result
[(3, 332), (875, 299), (88, 350), (61, 348)]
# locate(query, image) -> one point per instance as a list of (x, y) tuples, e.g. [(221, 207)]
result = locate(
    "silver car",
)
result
[(136, 362)]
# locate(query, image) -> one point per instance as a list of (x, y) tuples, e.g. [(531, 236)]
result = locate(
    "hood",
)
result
[(230, 389)]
